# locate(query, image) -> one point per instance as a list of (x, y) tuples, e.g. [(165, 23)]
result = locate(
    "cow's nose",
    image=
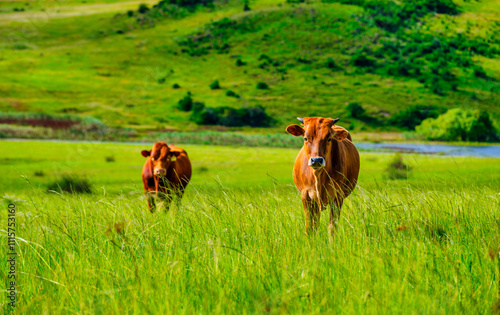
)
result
[(160, 172), (316, 162)]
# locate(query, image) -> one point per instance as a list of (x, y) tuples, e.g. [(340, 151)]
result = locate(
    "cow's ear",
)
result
[(176, 151), (146, 153), (340, 133), (295, 130)]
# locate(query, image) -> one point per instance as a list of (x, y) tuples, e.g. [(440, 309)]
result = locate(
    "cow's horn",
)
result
[(300, 119), (335, 120)]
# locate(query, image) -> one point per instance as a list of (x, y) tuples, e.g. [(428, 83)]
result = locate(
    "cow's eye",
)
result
[(305, 139)]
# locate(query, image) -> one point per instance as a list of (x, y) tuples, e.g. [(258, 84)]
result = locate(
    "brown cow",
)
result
[(326, 169), (166, 173)]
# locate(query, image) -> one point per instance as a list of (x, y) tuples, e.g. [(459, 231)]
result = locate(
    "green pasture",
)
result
[(236, 244)]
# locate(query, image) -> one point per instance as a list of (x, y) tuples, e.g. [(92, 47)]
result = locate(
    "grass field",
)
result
[(428, 244)]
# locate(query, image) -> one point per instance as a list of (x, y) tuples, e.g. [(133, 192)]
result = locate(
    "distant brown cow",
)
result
[(326, 169), (166, 173)]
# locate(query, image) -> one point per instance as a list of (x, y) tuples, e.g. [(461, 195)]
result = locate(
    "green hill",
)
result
[(315, 58)]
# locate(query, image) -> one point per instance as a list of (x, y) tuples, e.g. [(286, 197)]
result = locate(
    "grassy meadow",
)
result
[(106, 64), (236, 244)]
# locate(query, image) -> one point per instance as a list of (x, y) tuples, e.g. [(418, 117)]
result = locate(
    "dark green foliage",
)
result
[(176, 86), (391, 16), (246, 6), (143, 8), (397, 169), (240, 63), (352, 2), (231, 117), (362, 60), (331, 64), (262, 86), (72, 184), (130, 13), (433, 60), (295, 1), (215, 85), (232, 94), (191, 4), (110, 158), (161, 80), (411, 117), (186, 103), (355, 110), (459, 125)]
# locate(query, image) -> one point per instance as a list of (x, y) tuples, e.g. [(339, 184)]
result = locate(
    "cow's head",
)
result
[(161, 156), (318, 135)]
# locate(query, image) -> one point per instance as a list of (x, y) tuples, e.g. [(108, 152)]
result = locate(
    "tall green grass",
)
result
[(397, 250)]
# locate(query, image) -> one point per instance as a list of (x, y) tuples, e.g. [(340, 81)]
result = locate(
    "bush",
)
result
[(246, 6), (215, 85), (188, 3), (459, 125), (232, 94), (355, 110), (176, 86), (411, 117), (262, 86), (186, 103), (231, 117), (397, 169), (143, 8), (331, 64), (71, 184), (240, 63), (110, 158)]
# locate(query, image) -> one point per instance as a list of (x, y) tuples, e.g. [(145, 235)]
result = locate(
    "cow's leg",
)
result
[(335, 206), (312, 213), (166, 197)]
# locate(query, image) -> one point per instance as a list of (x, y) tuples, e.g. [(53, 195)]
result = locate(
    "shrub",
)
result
[(161, 80), (215, 85), (130, 13), (186, 103), (361, 60), (143, 8), (413, 116), (232, 94), (262, 86), (397, 169), (355, 110), (240, 63), (231, 117), (459, 125), (331, 64), (176, 86), (110, 158), (246, 6), (71, 184)]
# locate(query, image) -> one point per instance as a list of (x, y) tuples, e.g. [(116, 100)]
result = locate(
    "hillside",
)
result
[(315, 57)]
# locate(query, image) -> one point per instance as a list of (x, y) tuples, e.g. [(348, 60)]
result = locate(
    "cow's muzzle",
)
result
[(317, 162), (160, 172)]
